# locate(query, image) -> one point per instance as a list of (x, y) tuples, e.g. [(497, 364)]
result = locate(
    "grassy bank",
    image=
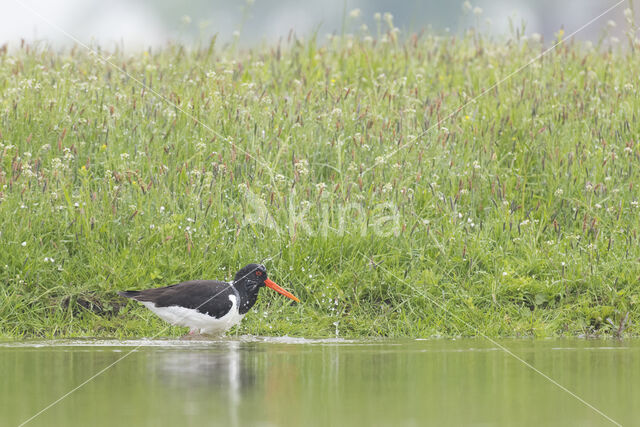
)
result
[(516, 216)]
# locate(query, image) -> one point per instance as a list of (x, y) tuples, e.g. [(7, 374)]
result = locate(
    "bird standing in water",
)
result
[(208, 306)]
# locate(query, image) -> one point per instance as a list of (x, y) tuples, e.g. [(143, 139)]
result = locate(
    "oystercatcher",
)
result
[(208, 306)]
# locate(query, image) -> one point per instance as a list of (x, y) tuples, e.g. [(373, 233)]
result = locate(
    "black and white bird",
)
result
[(208, 306)]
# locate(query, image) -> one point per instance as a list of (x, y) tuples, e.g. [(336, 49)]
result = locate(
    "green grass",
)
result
[(516, 216)]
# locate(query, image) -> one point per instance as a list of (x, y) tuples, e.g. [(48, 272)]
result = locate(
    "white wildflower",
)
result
[(302, 167), (628, 14)]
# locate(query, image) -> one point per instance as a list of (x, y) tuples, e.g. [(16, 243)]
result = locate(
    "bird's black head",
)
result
[(252, 276)]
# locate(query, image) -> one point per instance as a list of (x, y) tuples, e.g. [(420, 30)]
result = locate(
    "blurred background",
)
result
[(135, 24)]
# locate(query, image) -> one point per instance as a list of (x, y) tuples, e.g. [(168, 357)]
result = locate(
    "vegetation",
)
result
[(347, 164)]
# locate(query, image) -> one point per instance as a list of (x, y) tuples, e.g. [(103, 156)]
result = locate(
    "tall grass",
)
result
[(517, 215)]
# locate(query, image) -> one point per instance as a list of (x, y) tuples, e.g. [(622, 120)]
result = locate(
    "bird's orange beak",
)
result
[(277, 288)]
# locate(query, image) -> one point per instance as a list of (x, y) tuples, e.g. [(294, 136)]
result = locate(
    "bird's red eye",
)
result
[(258, 273)]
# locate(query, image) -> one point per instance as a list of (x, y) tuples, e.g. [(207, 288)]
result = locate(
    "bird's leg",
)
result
[(191, 335)]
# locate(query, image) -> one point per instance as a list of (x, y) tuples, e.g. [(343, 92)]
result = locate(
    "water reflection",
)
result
[(440, 382), (218, 368), (221, 372)]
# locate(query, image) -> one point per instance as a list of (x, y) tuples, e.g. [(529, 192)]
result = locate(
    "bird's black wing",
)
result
[(207, 296)]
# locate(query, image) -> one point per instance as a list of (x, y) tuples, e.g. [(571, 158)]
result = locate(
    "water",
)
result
[(293, 382)]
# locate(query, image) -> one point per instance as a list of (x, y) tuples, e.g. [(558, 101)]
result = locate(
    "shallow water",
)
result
[(297, 382)]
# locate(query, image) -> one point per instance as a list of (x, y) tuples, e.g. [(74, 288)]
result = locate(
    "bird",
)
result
[(209, 307)]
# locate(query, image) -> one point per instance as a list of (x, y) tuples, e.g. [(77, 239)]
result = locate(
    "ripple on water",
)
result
[(148, 342)]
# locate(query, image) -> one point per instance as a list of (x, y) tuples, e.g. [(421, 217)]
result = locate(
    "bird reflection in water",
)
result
[(218, 371)]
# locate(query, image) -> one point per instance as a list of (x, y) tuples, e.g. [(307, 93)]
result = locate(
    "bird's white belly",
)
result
[(195, 320)]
